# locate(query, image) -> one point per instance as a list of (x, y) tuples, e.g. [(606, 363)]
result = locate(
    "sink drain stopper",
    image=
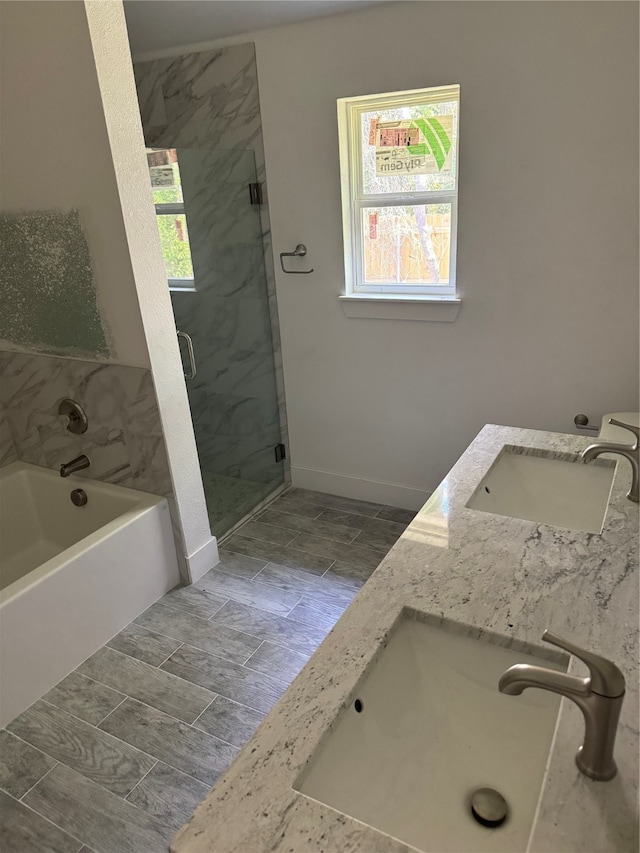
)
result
[(488, 807)]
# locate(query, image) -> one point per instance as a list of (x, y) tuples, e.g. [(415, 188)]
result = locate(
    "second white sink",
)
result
[(538, 486), (425, 729)]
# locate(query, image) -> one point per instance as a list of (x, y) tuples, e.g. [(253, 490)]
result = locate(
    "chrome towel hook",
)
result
[(299, 252)]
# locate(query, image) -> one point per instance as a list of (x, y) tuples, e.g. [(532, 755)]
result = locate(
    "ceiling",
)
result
[(156, 25)]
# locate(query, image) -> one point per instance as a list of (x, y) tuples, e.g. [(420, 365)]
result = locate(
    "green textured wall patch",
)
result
[(47, 292)]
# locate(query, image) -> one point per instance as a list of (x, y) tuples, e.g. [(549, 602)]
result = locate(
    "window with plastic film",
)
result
[(399, 175)]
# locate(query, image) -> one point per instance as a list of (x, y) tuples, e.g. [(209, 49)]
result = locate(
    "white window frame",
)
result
[(354, 200)]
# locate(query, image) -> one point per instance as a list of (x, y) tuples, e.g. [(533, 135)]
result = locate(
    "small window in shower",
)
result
[(166, 188)]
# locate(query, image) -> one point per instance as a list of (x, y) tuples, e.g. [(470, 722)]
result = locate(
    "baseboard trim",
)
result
[(358, 488), (205, 558)]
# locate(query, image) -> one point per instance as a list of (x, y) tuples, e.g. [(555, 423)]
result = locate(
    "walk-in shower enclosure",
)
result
[(204, 108)]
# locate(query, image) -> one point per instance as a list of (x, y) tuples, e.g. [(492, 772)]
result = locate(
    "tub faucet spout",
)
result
[(76, 464), (599, 697), (629, 451)]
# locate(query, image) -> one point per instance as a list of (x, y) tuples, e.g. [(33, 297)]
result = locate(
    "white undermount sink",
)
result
[(548, 488), (431, 729)]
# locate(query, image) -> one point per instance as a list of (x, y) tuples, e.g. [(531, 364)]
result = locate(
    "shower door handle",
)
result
[(192, 357)]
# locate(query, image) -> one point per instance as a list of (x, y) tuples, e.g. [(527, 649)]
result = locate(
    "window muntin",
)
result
[(400, 222)]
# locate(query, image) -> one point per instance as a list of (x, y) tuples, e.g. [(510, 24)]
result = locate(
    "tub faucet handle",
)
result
[(606, 679)]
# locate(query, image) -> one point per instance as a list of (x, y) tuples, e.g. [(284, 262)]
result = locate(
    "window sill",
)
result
[(385, 307)]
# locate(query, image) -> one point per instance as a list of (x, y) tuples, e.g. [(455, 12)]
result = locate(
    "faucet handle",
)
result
[(606, 678), (630, 427)]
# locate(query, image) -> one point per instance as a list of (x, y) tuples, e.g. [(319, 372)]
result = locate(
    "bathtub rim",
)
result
[(144, 503)]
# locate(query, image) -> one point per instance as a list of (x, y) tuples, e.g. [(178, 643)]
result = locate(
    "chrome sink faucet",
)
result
[(599, 697), (629, 451), (76, 464)]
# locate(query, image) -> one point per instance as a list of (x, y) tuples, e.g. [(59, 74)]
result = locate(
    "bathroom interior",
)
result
[(314, 538)]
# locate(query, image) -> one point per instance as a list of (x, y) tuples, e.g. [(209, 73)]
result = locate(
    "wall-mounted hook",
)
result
[(299, 252), (582, 422)]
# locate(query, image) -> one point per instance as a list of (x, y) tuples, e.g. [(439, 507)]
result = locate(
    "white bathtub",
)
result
[(71, 577)]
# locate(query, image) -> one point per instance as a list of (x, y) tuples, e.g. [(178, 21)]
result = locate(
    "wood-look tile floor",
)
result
[(117, 756)]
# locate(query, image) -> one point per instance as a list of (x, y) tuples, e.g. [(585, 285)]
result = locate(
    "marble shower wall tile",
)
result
[(7, 447), (184, 89), (124, 439), (208, 102)]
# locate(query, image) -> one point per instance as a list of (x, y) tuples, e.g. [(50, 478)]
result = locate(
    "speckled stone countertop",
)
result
[(511, 576)]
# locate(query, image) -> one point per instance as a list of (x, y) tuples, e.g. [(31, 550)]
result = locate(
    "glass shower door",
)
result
[(225, 312)]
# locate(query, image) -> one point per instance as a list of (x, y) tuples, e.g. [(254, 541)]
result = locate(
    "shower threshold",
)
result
[(231, 501)]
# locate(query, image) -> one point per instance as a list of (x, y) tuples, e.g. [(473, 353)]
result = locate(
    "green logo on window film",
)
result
[(437, 140)]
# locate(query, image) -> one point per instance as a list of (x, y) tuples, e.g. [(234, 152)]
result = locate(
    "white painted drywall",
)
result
[(120, 104), (548, 234), (55, 151)]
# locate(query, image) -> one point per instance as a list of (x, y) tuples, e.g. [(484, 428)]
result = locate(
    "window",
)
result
[(399, 166), (166, 188)]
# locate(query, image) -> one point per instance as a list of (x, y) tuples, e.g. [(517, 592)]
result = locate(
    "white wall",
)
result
[(548, 233), (55, 151)]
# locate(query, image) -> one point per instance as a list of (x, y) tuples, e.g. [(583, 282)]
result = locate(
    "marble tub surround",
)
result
[(505, 575), (124, 439), (7, 447), (208, 103)]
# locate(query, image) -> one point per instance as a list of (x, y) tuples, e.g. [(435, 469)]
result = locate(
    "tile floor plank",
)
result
[(230, 721), (335, 502), (168, 794), (198, 602), (302, 583), (265, 626), (147, 683), (348, 574), (235, 682), (295, 506), (204, 634), (238, 564), (98, 756), (316, 613), (284, 555), (84, 698), (21, 765), (340, 533), (371, 532), (358, 555), (394, 513), (144, 645), (362, 522), (103, 821), (249, 592), (380, 540), (24, 831), (256, 529), (277, 661), (190, 750)]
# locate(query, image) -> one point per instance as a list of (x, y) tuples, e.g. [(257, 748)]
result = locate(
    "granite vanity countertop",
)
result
[(511, 576)]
